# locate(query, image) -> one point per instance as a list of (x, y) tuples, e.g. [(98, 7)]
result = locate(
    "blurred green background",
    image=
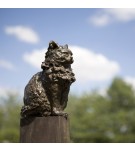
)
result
[(93, 118)]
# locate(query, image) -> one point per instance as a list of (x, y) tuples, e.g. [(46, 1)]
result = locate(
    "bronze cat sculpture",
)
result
[(47, 92)]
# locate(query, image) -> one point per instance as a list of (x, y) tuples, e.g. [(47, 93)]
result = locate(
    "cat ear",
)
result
[(65, 46), (52, 45)]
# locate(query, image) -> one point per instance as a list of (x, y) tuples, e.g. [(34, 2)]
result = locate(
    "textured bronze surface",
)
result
[(50, 129), (47, 92)]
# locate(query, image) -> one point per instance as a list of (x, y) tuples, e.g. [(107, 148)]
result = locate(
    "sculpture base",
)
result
[(50, 129)]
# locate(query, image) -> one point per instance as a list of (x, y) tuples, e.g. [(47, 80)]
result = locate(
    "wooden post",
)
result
[(50, 129)]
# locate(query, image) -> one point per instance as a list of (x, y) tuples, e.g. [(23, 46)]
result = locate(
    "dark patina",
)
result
[(47, 92)]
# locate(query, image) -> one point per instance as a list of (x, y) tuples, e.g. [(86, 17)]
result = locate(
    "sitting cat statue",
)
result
[(47, 91)]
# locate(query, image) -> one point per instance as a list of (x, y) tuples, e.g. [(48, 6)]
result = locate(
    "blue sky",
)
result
[(102, 41)]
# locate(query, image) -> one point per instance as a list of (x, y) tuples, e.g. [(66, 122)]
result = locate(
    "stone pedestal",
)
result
[(50, 129)]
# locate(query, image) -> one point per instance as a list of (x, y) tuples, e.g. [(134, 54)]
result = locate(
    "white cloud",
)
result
[(100, 20), (7, 65), (23, 33), (104, 17), (102, 91), (88, 66), (4, 91), (35, 58), (131, 81)]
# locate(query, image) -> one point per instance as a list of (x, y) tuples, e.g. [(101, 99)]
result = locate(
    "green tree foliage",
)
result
[(9, 118), (94, 118)]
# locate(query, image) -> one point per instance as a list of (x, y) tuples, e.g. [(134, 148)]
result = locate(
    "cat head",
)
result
[(59, 55)]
